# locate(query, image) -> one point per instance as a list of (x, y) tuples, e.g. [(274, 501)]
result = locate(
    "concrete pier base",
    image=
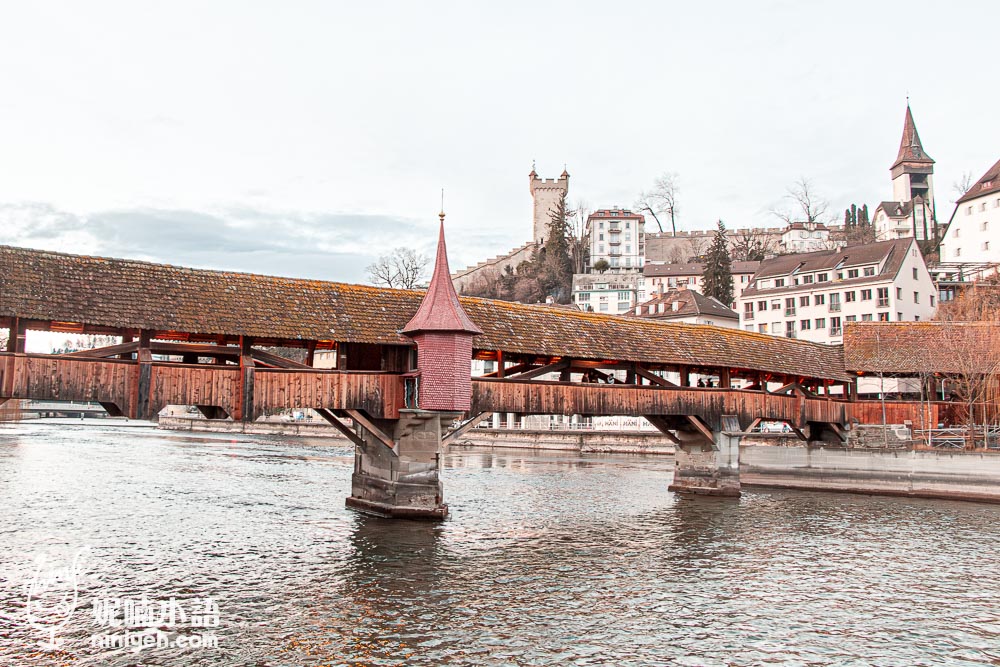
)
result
[(707, 469), (404, 483)]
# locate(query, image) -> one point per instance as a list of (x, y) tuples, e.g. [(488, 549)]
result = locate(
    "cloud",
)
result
[(328, 246)]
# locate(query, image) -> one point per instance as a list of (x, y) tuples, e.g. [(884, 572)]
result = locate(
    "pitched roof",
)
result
[(890, 253), (680, 269), (689, 304), (988, 184), (131, 294), (440, 309), (896, 209), (910, 148), (910, 348)]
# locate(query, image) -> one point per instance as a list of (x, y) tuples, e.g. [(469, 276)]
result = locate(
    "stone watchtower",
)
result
[(546, 193)]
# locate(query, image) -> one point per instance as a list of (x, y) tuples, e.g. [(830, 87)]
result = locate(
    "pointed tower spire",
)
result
[(440, 309), (910, 148)]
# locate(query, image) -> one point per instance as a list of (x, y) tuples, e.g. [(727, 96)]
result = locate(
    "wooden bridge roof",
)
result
[(119, 293), (912, 348)]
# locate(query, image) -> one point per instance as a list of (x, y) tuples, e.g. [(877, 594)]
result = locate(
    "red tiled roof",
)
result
[(910, 148), (689, 303), (440, 309), (140, 295), (988, 184)]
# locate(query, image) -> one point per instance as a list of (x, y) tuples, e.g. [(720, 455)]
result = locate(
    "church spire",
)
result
[(910, 148)]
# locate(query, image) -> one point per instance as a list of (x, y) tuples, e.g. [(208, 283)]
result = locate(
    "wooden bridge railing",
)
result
[(142, 393)]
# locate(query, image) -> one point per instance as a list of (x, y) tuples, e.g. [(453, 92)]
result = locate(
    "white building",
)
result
[(972, 237), (805, 237), (688, 307), (912, 211), (812, 296), (609, 292), (618, 237), (662, 277)]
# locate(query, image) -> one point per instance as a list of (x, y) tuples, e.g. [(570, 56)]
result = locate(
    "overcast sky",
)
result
[(305, 138)]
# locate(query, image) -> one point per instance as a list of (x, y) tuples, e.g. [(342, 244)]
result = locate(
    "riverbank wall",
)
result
[(614, 442), (947, 474)]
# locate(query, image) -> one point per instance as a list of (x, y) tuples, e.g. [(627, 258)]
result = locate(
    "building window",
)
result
[(916, 297), (899, 317), (883, 317), (822, 277), (779, 282), (851, 296), (899, 292), (789, 307), (762, 328), (628, 249), (968, 210), (804, 301), (628, 225), (834, 302), (624, 296), (985, 226), (869, 271), (819, 300), (775, 305), (600, 225), (583, 296), (748, 327), (958, 252), (932, 300), (805, 325), (852, 273), (986, 245), (789, 329), (807, 279), (600, 249), (867, 317), (915, 275), (748, 310), (622, 306), (835, 328), (958, 232), (604, 306), (775, 327), (866, 295), (762, 305), (820, 322), (883, 297), (600, 237)]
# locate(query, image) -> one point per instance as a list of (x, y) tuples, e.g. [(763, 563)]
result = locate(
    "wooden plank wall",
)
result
[(191, 384), (492, 395), (378, 394), (53, 378)]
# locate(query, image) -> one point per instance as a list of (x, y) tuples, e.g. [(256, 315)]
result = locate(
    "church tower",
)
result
[(912, 211), (546, 193), (913, 180)]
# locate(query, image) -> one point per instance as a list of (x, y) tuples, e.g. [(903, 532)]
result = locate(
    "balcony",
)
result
[(835, 307), (883, 303)]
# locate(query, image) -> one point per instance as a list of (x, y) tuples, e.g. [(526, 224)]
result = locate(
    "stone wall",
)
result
[(919, 473), (575, 441)]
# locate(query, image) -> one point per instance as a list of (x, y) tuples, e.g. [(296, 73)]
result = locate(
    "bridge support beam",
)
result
[(404, 483), (707, 468)]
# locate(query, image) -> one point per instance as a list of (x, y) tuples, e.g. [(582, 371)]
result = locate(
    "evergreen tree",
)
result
[(717, 280), (555, 267)]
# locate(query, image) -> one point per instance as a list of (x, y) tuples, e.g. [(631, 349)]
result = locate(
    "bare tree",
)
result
[(699, 246), (962, 185), (661, 199), (802, 204), (403, 268), (752, 245)]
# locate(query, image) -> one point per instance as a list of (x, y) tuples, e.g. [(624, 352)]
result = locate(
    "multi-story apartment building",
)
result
[(972, 237), (662, 277), (689, 307), (812, 296), (805, 237), (608, 292), (618, 236)]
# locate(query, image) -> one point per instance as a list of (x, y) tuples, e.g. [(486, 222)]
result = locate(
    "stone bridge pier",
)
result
[(403, 482), (708, 460)]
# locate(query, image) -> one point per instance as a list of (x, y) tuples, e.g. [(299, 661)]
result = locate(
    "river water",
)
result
[(547, 559)]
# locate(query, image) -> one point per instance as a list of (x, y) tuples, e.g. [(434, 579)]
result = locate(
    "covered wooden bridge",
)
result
[(205, 338)]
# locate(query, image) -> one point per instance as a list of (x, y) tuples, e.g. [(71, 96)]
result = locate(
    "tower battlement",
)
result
[(546, 193)]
